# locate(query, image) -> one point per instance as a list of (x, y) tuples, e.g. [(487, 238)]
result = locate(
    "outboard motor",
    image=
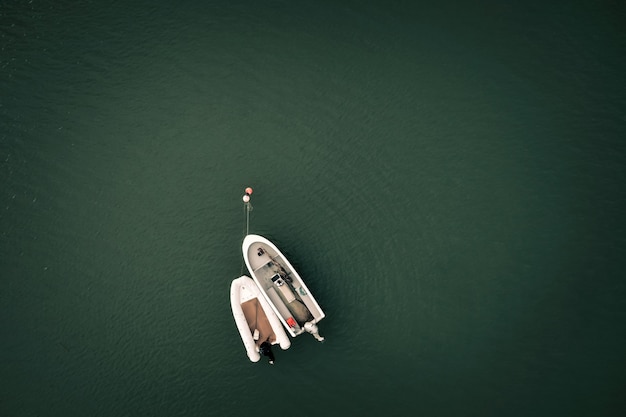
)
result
[(313, 329), (266, 350)]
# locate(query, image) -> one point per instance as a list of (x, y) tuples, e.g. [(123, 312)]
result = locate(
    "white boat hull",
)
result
[(282, 287), (251, 312)]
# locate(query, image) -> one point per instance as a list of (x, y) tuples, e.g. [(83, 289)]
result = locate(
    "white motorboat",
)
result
[(282, 287), (256, 321)]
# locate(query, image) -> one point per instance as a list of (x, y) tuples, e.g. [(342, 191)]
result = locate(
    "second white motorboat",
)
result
[(256, 321)]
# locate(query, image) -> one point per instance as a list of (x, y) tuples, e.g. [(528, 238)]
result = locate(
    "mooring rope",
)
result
[(246, 221), (245, 233), (247, 208)]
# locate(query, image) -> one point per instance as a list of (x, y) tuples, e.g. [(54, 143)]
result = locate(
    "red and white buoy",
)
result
[(247, 207), (246, 196)]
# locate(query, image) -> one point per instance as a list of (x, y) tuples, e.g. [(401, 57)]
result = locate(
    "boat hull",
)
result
[(251, 312), (280, 284)]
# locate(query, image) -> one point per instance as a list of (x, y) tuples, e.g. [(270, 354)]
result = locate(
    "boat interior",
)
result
[(283, 287)]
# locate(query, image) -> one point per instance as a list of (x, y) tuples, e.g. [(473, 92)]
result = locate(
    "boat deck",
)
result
[(259, 257)]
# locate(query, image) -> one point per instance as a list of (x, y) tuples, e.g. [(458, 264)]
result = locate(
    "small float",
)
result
[(256, 321)]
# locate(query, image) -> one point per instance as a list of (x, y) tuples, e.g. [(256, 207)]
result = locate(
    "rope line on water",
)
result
[(247, 207), (245, 233)]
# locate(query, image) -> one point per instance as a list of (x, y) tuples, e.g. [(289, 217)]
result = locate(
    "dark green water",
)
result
[(448, 177)]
